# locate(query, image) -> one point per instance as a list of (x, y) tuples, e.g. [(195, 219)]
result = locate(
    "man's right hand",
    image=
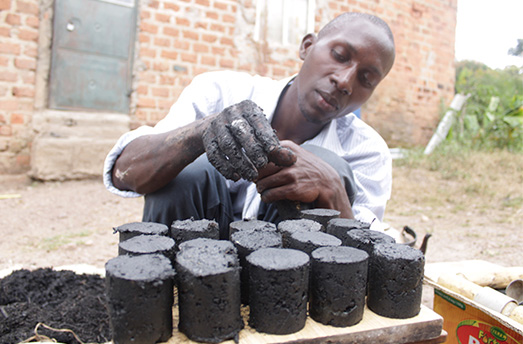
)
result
[(240, 140)]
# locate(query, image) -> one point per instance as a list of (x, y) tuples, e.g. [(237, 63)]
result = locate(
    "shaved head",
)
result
[(340, 20)]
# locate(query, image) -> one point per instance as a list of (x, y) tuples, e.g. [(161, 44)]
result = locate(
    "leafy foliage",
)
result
[(493, 115)]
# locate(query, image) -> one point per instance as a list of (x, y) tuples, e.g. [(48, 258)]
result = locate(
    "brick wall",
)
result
[(178, 39), (19, 23)]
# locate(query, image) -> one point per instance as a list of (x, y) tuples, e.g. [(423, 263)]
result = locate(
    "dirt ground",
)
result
[(472, 207)]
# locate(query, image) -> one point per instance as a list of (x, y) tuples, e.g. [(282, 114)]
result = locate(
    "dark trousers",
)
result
[(201, 192)]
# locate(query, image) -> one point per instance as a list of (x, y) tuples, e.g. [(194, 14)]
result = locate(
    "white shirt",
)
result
[(348, 136)]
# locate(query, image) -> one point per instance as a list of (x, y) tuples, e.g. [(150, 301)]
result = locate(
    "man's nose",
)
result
[(345, 78)]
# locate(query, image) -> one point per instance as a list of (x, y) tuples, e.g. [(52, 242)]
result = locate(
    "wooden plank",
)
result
[(372, 329)]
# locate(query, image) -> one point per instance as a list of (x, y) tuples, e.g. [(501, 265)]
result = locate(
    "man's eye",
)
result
[(365, 79), (339, 56)]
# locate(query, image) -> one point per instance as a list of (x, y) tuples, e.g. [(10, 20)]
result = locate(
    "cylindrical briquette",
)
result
[(338, 282), (366, 239), (129, 230), (209, 290), (184, 230), (309, 241), (148, 244), (278, 290), (340, 226), (321, 215), (250, 225), (248, 241), (395, 280), (287, 227), (139, 290)]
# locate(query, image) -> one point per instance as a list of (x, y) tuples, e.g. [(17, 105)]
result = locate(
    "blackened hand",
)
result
[(240, 140)]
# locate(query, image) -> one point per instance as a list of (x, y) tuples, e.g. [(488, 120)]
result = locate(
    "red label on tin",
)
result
[(478, 332)]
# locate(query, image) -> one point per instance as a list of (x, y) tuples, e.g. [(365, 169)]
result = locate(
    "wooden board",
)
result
[(372, 329)]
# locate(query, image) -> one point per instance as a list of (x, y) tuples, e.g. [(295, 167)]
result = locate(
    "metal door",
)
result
[(92, 52)]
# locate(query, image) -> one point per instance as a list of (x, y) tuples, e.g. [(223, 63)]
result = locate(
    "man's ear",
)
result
[(307, 42)]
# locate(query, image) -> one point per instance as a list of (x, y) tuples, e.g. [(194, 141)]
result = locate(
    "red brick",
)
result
[(151, 28), (162, 42), (147, 77), (218, 51), (8, 76), (13, 19), (208, 60), (201, 25), (189, 57), (5, 4), (183, 21), (227, 41), (209, 38), (227, 18), (28, 35), (217, 27), (27, 7), (17, 118), (170, 31), (183, 45), (144, 38), (164, 104), (161, 66), (199, 70), (9, 105), (169, 54), (148, 52), (220, 5), (32, 21), (200, 48), (9, 48), (146, 102), (22, 63), (5, 31), (164, 18), (226, 63), (154, 4), (171, 6), (166, 79), (27, 92), (160, 92), (142, 90), (205, 3), (191, 35), (212, 15), (145, 14)]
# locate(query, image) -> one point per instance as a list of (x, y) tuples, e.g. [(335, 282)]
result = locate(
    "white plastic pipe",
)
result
[(444, 125)]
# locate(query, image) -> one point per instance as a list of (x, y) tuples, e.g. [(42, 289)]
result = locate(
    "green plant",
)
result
[(493, 115)]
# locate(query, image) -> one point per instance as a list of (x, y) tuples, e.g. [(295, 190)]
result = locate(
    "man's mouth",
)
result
[(332, 101)]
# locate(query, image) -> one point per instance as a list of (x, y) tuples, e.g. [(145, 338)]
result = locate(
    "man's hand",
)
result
[(309, 180), (239, 141)]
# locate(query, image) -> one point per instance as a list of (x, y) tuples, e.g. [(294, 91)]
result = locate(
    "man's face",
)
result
[(341, 69)]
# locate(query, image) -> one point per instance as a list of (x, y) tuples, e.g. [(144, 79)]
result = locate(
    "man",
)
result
[(322, 155)]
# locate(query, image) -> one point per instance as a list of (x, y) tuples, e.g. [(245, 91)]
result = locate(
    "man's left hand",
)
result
[(309, 180)]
